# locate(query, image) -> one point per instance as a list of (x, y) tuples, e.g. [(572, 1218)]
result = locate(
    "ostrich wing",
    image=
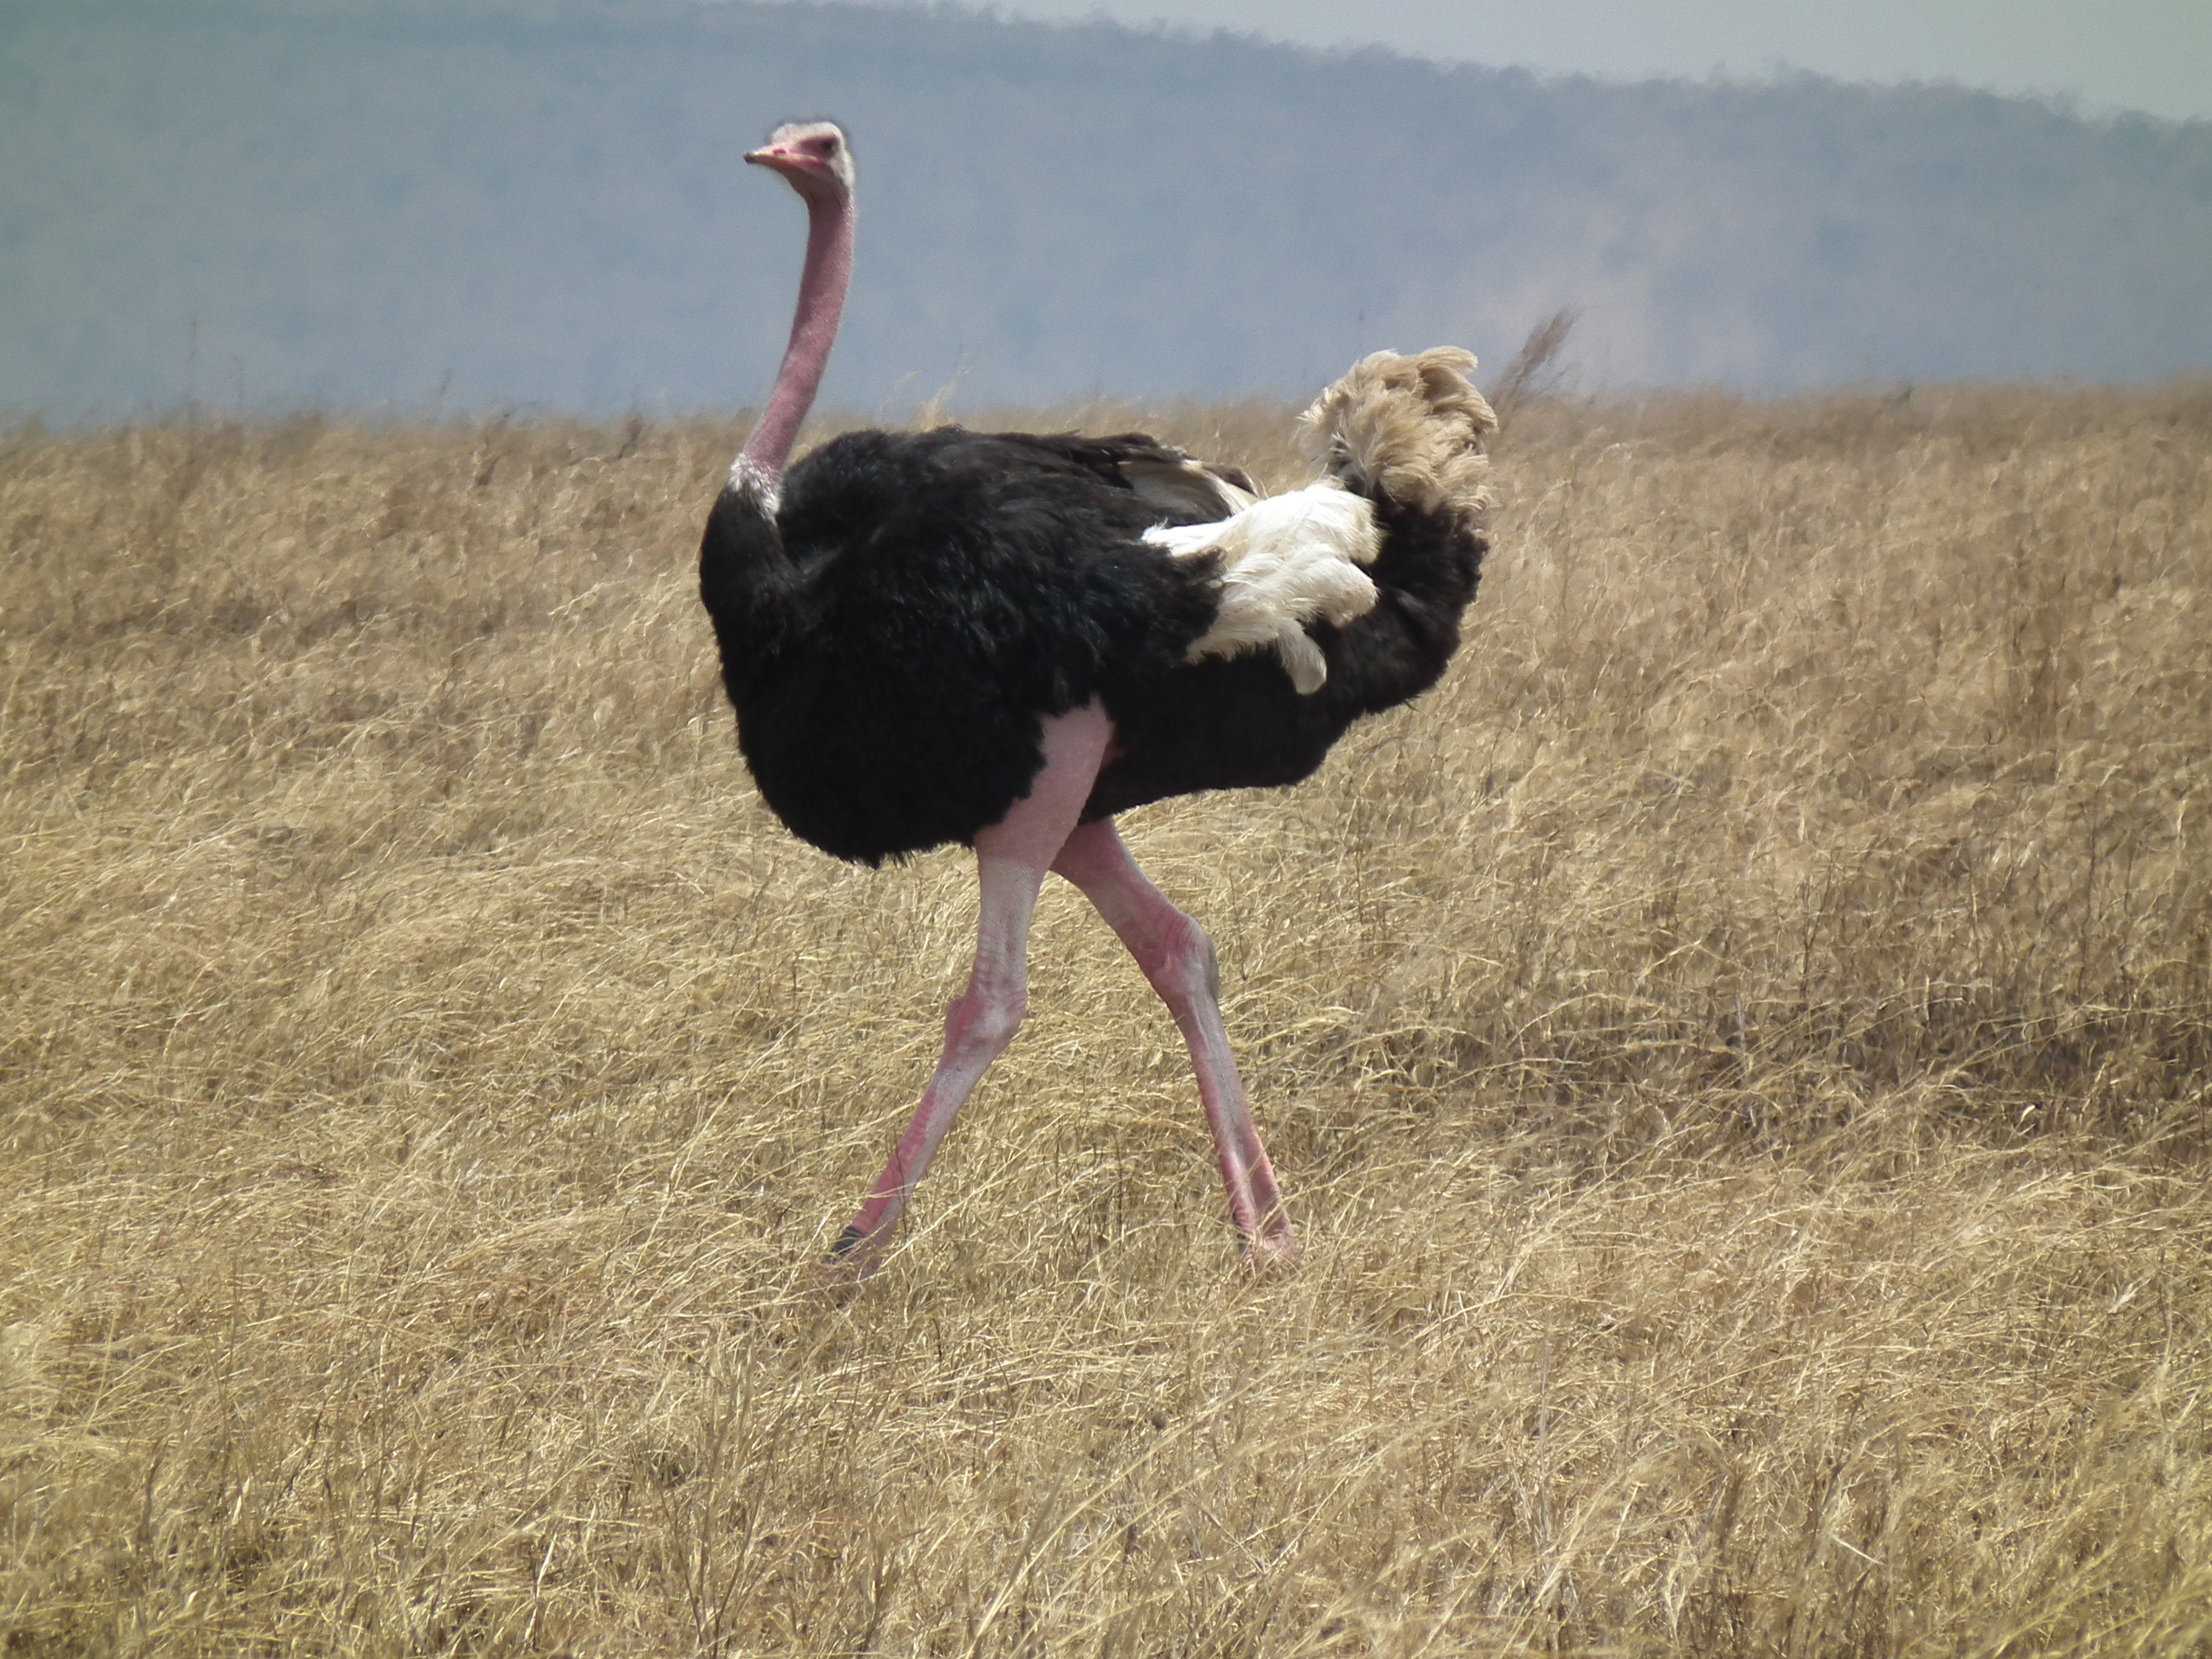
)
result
[(1190, 491)]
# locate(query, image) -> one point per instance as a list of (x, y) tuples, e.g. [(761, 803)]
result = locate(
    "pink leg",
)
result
[(1011, 858), (1178, 960)]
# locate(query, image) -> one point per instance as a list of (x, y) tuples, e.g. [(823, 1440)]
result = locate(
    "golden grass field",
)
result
[(1740, 1054)]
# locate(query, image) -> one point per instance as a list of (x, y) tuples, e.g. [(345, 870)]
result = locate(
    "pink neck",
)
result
[(822, 286)]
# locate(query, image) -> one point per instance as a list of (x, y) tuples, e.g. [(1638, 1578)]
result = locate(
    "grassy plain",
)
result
[(1740, 1053)]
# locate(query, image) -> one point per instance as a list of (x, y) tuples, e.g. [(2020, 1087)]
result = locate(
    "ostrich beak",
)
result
[(777, 156)]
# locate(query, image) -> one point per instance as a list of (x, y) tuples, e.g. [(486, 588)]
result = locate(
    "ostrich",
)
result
[(1004, 640)]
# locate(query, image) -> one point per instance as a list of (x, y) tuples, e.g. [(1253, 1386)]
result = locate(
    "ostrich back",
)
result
[(891, 637)]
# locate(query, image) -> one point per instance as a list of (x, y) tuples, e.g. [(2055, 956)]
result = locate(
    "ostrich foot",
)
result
[(854, 1258), (1273, 1252)]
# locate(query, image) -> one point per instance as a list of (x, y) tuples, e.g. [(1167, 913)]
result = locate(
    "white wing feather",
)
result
[(1286, 560)]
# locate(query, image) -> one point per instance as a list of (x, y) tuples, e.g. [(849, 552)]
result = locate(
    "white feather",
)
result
[(763, 487), (1286, 560)]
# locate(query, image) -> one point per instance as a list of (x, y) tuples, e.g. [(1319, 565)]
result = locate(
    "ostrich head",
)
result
[(815, 158)]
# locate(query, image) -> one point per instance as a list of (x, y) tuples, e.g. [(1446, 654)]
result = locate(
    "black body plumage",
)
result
[(892, 632)]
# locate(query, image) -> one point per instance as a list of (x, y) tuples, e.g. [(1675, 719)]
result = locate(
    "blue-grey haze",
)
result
[(353, 203)]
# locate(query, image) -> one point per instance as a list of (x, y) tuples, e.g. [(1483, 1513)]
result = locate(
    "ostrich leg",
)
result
[(1178, 960), (1011, 858)]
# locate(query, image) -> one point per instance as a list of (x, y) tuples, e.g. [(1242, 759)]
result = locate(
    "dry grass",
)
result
[(1739, 1052)]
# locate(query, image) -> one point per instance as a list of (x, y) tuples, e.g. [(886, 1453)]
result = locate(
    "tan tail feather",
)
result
[(1410, 429)]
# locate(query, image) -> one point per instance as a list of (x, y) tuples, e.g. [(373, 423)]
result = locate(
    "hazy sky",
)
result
[(2153, 55)]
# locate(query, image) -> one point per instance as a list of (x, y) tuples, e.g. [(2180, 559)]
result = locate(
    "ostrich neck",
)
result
[(822, 286)]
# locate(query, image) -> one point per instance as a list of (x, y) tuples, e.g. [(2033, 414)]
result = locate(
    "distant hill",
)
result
[(351, 202)]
